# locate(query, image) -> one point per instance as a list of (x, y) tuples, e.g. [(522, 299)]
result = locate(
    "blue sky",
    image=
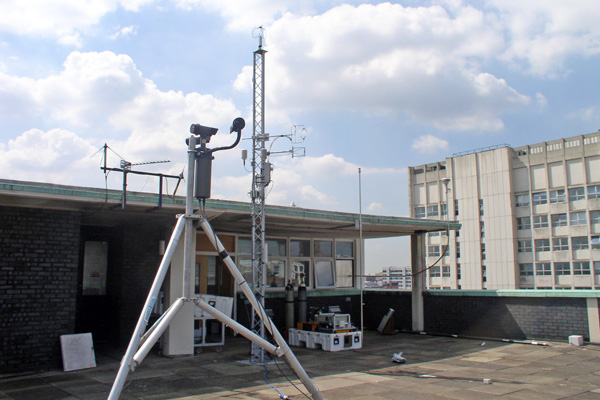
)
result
[(380, 86)]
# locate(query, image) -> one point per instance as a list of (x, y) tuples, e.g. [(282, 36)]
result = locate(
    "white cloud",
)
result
[(543, 34), (541, 100), (105, 94), (124, 32), (375, 208), (387, 58), (56, 155), (429, 144), (104, 98), (244, 15), (591, 113), (63, 20)]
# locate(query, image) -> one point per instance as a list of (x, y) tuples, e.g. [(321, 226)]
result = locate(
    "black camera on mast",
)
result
[(204, 155)]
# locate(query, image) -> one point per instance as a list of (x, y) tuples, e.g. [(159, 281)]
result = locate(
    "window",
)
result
[(344, 249), (559, 220), (540, 221), (276, 273), (457, 249), (445, 251), (522, 200), (557, 196), (596, 267), (300, 272), (543, 269), (344, 273), (524, 246), (593, 192), (434, 272), (433, 251), (323, 248), (595, 242), (276, 247), (482, 229), (458, 271), (542, 245), (324, 273), (483, 273), (560, 244), (580, 243), (433, 211), (445, 271), (594, 217), (444, 209), (300, 264), (581, 268), (300, 248), (456, 207), (562, 268), (526, 269), (578, 218), (524, 223), (420, 212), (480, 206), (539, 198), (483, 255), (344, 263), (576, 194)]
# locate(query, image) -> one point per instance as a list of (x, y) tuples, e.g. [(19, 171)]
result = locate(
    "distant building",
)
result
[(391, 278), (530, 216)]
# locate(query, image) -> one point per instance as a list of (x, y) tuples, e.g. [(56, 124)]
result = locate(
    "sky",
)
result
[(370, 85)]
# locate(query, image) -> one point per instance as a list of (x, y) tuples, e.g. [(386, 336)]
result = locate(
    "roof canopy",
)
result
[(103, 207)]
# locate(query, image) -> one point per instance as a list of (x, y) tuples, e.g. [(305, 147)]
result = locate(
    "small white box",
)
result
[(576, 340)]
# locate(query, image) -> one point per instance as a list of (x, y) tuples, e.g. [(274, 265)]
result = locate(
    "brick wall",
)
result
[(502, 317), (138, 269), (39, 253)]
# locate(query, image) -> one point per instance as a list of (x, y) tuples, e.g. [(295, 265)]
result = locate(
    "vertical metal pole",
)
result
[(362, 250), (124, 201), (160, 187), (188, 256)]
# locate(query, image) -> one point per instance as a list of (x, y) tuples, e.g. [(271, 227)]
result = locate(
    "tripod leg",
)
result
[(287, 352), (117, 387)]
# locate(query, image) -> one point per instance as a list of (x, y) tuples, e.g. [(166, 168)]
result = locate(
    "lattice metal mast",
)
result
[(259, 182)]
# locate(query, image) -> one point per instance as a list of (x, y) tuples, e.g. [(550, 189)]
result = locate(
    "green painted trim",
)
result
[(501, 293), (314, 293)]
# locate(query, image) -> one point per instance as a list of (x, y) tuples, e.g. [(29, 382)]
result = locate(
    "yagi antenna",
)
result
[(126, 169)]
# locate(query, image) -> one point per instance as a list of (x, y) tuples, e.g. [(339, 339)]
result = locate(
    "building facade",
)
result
[(530, 216)]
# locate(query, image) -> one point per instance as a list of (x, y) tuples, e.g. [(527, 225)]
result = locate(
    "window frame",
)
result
[(524, 246), (556, 197), (560, 243), (542, 221), (539, 198), (577, 193)]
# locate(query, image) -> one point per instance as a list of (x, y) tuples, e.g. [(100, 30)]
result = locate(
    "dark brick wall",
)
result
[(39, 252), (485, 316), (138, 269)]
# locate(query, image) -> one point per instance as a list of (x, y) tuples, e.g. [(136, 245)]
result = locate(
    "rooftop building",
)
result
[(530, 216)]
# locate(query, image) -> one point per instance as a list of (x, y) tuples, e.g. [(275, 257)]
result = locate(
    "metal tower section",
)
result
[(259, 182)]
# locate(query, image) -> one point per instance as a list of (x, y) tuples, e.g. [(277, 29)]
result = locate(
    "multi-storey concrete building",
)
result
[(530, 216), (391, 278)]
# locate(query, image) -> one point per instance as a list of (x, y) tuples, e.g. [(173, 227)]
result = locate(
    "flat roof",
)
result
[(104, 207)]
